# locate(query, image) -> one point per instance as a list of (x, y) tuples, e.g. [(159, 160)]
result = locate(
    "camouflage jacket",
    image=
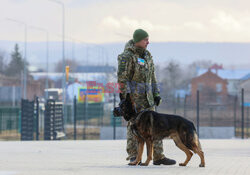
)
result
[(136, 74)]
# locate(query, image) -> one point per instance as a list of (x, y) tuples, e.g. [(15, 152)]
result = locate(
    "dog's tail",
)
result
[(190, 138)]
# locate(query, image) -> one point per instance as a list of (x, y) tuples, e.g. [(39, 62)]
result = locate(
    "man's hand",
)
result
[(157, 100)]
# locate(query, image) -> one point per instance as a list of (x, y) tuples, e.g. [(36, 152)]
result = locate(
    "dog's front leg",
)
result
[(139, 153), (149, 144)]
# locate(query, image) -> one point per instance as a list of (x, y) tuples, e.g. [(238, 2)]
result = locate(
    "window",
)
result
[(218, 87)]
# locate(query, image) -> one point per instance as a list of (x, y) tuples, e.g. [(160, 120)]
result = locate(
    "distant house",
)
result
[(82, 74), (11, 89), (213, 89), (233, 77)]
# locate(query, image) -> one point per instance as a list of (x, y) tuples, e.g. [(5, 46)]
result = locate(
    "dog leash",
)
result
[(141, 112)]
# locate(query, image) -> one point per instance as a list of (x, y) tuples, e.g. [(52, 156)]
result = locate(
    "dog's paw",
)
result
[(144, 164), (201, 165), (182, 164), (133, 163)]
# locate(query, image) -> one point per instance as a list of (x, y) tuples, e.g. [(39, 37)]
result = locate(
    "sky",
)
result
[(107, 21)]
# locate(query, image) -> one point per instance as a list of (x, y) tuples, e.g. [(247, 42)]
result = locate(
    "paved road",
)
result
[(223, 157)]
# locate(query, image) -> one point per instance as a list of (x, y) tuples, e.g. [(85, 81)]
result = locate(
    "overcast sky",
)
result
[(101, 21)]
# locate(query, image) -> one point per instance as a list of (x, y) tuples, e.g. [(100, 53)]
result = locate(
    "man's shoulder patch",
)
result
[(123, 60)]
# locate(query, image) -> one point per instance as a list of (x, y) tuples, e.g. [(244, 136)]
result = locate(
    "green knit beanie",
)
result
[(139, 35)]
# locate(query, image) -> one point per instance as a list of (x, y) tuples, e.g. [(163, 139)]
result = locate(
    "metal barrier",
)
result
[(27, 120), (53, 121)]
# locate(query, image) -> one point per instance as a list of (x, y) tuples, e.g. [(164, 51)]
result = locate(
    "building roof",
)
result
[(96, 69), (227, 74), (100, 77), (206, 74), (246, 77)]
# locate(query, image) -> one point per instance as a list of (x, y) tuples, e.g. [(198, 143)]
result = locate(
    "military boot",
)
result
[(164, 161)]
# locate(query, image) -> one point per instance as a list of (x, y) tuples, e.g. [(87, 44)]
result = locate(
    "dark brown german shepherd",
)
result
[(149, 125)]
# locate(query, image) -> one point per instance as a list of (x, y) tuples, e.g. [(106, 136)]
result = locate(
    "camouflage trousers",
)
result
[(132, 141)]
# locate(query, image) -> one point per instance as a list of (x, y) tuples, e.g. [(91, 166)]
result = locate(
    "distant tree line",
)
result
[(15, 67)]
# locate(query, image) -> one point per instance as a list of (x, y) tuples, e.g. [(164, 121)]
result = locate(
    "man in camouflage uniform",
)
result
[(136, 76)]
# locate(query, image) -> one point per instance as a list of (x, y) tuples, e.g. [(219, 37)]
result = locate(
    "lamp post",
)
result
[(25, 56), (63, 54), (47, 58)]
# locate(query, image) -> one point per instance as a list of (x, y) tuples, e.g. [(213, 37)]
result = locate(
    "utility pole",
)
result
[(63, 57)]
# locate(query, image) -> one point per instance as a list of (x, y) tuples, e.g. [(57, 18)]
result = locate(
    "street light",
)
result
[(63, 53), (47, 58), (25, 55)]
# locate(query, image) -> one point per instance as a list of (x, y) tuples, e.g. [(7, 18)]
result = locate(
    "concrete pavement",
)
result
[(223, 157)]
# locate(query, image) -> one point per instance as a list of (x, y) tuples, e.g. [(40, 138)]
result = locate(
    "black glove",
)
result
[(157, 100), (117, 112)]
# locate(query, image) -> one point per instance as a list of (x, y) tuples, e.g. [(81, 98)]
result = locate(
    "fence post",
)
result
[(242, 113), (102, 116), (211, 116), (114, 121), (235, 112), (85, 117), (178, 103), (0, 121), (174, 103), (198, 112), (74, 117), (37, 119), (184, 108), (247, 121)]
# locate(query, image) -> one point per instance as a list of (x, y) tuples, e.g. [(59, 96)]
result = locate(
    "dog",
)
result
[(148, 126)]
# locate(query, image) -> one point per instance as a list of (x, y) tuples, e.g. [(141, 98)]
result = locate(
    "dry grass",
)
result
[(83, 133), (10, 135)]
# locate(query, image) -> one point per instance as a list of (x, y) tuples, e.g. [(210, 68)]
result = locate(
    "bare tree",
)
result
[(200, 64), (172, 77)]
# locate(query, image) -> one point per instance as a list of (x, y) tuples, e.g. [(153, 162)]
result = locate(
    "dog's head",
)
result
[(125, 109)]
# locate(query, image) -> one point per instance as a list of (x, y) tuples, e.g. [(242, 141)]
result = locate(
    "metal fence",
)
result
[(85, 120), (10, 123), (214, 111)]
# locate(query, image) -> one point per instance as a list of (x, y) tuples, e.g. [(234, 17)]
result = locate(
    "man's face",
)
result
[(143, 43)]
